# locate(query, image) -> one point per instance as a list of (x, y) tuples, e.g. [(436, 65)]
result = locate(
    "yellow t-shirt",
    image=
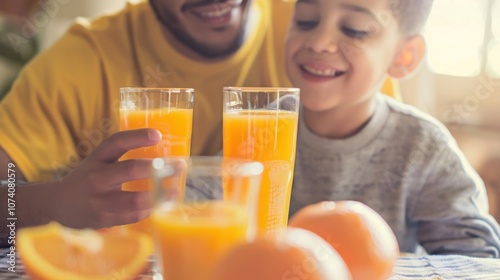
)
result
[(65, 102)]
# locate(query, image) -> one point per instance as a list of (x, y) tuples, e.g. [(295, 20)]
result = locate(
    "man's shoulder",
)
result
[(114, 26), (111, 35), (91, 43)]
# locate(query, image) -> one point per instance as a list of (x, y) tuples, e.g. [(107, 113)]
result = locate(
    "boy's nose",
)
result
[(322, 41)]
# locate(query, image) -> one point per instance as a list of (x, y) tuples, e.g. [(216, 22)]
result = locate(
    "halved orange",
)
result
[(54, 252)]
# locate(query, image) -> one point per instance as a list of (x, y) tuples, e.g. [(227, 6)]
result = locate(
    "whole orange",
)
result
[(299, 254), (359, 234)]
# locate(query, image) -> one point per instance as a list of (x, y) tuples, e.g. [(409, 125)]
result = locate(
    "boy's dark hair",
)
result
[(411, 14)]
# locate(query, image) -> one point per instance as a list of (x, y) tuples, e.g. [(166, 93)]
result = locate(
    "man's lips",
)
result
[(198, 4), (212, 12), (215, 11)]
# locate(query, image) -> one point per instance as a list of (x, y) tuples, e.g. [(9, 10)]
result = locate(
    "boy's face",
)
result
[(338, 51), (211, 28)]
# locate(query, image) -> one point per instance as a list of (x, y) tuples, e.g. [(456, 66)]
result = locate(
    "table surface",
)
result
[(407, 268)]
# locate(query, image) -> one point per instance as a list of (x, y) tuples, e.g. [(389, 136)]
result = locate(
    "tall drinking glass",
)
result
[(193, 232), (261, 124), (169, 110)]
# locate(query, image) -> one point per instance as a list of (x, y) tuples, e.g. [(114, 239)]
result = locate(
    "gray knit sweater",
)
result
[(406, 166)]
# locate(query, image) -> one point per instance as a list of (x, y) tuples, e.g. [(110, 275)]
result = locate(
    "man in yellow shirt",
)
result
[(58, 124)]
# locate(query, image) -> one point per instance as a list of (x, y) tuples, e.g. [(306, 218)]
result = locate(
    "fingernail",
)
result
[(154, 135)]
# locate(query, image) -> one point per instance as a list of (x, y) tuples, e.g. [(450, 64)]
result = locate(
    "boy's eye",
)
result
[(354, 33), (306, 24)]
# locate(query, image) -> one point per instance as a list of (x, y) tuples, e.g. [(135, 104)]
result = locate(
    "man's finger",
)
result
[(119, 143), (109, 219), (124, 202), (124, 171)]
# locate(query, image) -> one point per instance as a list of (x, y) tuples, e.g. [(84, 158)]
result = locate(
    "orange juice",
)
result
[(175, 126), (191, 238), (269, 137)]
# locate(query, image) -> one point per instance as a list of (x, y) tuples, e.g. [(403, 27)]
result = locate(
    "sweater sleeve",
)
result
[(452, 208)]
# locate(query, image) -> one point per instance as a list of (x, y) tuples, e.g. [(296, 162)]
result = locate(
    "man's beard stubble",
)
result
[(170, 21), (205, 50)]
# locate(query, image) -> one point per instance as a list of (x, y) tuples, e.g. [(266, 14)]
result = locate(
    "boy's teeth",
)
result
[(322, 72), (216, 13)]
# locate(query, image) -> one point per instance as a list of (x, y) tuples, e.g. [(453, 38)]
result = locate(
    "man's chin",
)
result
[(210, 45), (218, 51), (213, 50)]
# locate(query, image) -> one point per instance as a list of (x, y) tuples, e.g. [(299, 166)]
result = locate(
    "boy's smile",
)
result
[(318, 72), (338, 51)]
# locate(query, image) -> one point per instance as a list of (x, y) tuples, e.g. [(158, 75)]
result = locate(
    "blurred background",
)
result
[(459, 83), (30, 26)]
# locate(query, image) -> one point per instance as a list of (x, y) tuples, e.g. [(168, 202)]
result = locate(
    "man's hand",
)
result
[(91, 195)]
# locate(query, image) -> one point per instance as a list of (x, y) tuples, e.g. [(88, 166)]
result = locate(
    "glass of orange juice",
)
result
[(169, 110), (260, 124), (193, 231)]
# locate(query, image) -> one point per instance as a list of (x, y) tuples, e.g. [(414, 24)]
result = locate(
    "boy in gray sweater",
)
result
[(357, 144)]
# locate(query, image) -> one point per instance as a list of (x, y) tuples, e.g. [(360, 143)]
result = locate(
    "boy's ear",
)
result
[(408, 58)]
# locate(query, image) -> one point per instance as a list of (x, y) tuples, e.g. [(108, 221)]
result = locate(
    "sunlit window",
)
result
[(493, 66), (455, 36)]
